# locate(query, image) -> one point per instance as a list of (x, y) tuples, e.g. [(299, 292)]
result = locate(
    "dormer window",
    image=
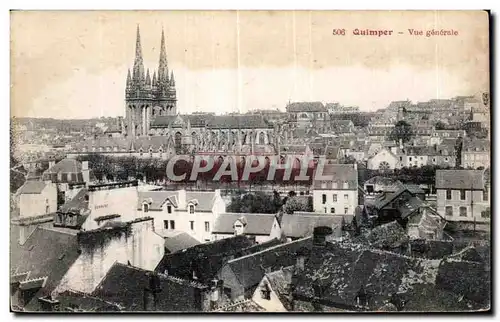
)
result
[(169, 209), (145, 207), (191, 209), (346, 185)]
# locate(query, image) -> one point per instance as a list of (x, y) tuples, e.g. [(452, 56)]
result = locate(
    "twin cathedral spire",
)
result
[(140, 83)]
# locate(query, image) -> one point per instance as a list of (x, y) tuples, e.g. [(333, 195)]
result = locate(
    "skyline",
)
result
[(79, 71)]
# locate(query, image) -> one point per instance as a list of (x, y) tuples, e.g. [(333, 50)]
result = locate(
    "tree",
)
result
[(347, 159), (257, 202), (440, 126), (401, 131), (294, 204)]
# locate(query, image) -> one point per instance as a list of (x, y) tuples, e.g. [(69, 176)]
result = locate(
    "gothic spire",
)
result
[(138, 73), (172, 80), (148, 78), (129, 78), (163, 65), (154, 77)]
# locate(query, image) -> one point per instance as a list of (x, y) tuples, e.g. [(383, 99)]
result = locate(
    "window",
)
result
[(265, 293), (47, 209), (207, 226), (346, 185), (463, 211), (485, 213), (145, 207), (448, 194), (172, 224), (191, 209), (334, 197), (324, 199), (400, 158), (410, 158), (332, 210), (485, 195), (346, 197), (165, 224), (191, 224), (346, 210), (323, 185), (169, 209), (462, 194), (449, 211)]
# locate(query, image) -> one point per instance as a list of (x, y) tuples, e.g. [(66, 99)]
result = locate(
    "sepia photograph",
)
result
[(243, 161)]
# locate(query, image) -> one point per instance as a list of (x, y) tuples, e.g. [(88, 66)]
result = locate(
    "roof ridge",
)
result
[(268, 249), (67, 232)]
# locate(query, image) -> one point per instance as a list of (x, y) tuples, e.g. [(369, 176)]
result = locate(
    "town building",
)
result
[(36, 198), (476, 153), (338, 195), (274, 292), (384, 159), (133, 242), (463, 195), (38, 266), (261, 227), (191, 212)]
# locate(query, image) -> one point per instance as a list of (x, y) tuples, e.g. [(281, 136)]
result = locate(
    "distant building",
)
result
[(338, 195), (384, 159), (306, 114), (463, 195), (476, 153)]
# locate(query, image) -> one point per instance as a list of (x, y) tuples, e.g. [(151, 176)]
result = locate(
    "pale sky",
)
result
[(74, 64)]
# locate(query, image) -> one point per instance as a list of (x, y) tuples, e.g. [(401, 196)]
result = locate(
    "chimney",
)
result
[(85, 171), (182, 198), (320, 234)]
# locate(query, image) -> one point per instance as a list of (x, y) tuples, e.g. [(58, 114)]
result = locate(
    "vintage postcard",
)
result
[(250, 161)]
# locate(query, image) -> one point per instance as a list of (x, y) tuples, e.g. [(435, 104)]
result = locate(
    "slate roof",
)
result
[(78, 204), (156, 199), (297, 107), (337, 273), (476, 145), (255, 224), (272, 258), (47, 253), (180, 242), (341, 173), (280, 280), (66, 166), (386, 198), (206, 259), (332, 152), (204, 199), (460, 179), (32, 187), (242, 306), (69, 169), (125, 286), (246, 121), (298, 226)]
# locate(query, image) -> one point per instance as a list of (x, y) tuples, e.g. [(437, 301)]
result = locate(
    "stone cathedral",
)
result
[(146, 96)]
